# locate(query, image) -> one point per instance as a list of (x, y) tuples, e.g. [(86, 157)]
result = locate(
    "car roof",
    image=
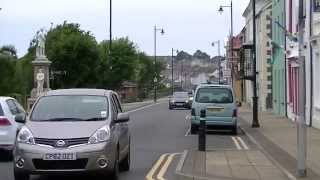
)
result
[(79, 91), (215, 85)]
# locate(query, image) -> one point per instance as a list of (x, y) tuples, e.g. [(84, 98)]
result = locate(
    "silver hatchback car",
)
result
[(73, 131)]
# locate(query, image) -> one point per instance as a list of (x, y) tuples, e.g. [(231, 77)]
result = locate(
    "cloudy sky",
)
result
[(189, 24)]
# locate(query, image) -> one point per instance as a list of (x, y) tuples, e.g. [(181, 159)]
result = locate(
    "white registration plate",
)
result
[(215, 109), (60, 156)]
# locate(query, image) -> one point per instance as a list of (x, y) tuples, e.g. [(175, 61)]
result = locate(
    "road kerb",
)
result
[(144, 107), (285, 171), (182, 175)]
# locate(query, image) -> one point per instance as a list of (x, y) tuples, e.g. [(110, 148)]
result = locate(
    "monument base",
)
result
[(34, 97)]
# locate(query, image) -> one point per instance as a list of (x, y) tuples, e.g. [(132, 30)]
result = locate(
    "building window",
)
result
[(316, 5)]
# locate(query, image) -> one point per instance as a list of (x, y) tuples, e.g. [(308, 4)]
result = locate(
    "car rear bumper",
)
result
[(87, 157), (180, 104), (216, 121)]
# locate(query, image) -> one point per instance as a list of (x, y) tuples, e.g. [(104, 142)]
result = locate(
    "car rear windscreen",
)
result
[(214, 95), (180, 95), (70, 108)]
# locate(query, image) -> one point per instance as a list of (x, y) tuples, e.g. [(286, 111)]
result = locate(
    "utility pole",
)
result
[(219, 60), (155, 65), (231, 39), (219, 63), (155, 79), (301, 123), (172, 79), (231, 48), (110, 25), (172, 58), (255, 120)]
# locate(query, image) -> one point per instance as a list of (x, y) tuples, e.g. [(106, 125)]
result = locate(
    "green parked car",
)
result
[(220, 105)]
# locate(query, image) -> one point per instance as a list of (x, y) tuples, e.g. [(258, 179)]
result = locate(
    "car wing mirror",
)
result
[(123, 117), (20, 118)]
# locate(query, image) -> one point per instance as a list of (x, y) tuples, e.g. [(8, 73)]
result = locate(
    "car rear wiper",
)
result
[(94, 119), (60, 119)]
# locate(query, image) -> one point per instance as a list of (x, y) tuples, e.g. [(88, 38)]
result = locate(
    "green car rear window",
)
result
[(214, 95)]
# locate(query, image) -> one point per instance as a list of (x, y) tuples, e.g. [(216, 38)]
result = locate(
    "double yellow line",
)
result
[(160, 167)]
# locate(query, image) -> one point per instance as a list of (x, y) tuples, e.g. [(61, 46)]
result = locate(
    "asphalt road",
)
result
[(157, 132)]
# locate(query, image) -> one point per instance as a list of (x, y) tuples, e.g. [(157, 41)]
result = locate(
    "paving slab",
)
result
[(244, 172)]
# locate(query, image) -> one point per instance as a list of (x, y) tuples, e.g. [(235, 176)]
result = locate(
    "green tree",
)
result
[(118, 66), (9, 50), (146, 73), (7, 65), (74, 55)]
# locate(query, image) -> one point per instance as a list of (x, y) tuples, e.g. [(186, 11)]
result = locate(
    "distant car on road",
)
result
[(220, 106), (179, 100), (73, 131), (9, 108)]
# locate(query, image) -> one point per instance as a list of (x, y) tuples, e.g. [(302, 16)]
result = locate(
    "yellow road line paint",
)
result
[(165, 167), (243, 143), (236, 143), (155, 167)]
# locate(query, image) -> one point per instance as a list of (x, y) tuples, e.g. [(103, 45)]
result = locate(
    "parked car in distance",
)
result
[(179, 100), (9, 108), (73, 131), (218, 102)]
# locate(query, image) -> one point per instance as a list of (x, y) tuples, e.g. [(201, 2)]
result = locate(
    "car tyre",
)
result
[(21, 176), (193, 129), (170, 107), (125, 164)]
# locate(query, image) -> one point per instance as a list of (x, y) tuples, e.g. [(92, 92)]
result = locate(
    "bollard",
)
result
[(202, 131)]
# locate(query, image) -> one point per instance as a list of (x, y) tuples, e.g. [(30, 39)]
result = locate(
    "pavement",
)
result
[(277, 136), (228, 157), (269, 152)]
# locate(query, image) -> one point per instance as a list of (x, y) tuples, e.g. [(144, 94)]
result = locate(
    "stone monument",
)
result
[(41, 71)]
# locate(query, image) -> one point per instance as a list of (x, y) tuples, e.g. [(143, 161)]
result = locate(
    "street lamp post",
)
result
[(155, 80), (172, 57), (219, 59), (231, 35), (110, 25), (255, 120)]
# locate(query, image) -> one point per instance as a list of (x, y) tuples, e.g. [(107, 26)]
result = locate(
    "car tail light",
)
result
[(193, 112), (4, 122), (235, 113)]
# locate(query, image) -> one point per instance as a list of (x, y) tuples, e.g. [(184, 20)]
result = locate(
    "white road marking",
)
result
[(165, 167), (188, 131), (243, 143), (236, 143), (155, 167)]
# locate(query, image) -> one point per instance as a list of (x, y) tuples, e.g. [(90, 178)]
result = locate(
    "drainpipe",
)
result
[(285, 62)]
